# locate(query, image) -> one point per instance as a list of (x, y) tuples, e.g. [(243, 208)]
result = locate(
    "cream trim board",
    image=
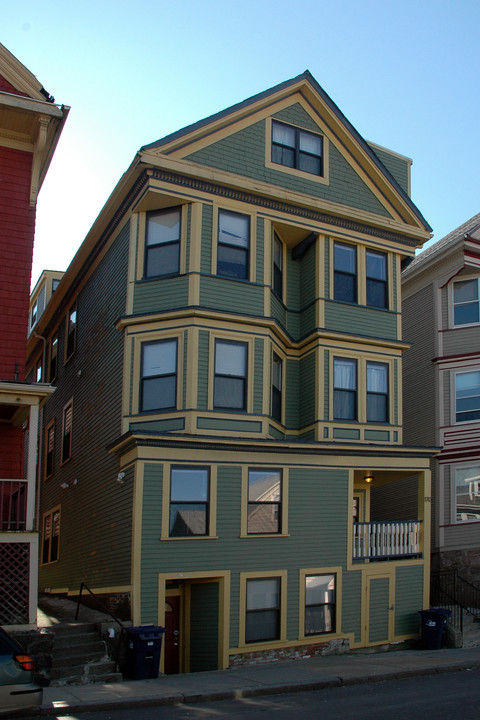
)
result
[(337, 571), (212, 501), (244, 501), (244, 576), (239, 209), (136, 556), (135, 224)]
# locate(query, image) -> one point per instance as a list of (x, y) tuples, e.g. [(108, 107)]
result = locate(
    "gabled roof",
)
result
[(468, 229), (20, 77), (29, 119), (309, 88)]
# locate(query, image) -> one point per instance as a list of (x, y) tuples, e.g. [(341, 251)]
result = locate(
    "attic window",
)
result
[(296, 148)]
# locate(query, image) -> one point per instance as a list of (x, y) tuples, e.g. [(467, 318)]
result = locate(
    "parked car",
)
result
[(17, 689)]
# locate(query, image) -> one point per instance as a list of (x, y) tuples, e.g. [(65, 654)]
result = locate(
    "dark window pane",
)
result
[(229, 392), (377, 408), (159, 393), (188, 519), (344, 405), (310, 164), (232, 262), (163, 260), (263, 518), (319, 619), (189, 484), (376, 293), (345, 287), (467, 314), (262, 625)]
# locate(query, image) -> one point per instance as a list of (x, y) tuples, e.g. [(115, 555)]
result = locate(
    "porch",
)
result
[(386, 540), (13, 506)]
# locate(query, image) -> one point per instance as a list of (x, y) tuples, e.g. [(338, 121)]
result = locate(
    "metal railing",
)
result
[(449, 589), (104, 609), (382, 540), (13, 505)]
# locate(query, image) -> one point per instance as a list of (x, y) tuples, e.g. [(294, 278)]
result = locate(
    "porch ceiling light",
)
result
[(368, 478)]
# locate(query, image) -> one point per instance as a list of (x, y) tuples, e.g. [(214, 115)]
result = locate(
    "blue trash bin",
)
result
[(434, 622), (144, 645)]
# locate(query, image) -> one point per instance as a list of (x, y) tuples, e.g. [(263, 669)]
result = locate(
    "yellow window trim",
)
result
[(322, 179), (255, 646), (212, 504)]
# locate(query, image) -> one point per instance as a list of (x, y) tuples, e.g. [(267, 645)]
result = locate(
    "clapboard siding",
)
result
[(234, 296), (359, 320), (418, 369), (161, 294), (408, 599), (95, 541)]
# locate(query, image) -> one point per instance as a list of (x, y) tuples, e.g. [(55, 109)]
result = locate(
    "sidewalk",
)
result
[(255, 680)]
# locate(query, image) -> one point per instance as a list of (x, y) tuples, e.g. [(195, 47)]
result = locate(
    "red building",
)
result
[(30, 127)]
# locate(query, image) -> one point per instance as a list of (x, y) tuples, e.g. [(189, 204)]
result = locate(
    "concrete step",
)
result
[(92, 672)]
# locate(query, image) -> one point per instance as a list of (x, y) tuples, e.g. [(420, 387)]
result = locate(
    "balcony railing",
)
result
[(384, 540), (13, 505)]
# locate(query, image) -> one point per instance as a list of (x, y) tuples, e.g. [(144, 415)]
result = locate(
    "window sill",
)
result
[(264, 535), (188, 537)]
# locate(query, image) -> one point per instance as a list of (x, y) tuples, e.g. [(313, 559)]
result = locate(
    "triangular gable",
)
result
[(17, 79), (235, 141)]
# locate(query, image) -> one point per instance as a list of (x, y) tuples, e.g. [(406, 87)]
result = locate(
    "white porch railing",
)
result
[(386, 539), (13, 503)]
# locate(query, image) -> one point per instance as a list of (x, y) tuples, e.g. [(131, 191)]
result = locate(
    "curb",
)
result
[(193, 697)]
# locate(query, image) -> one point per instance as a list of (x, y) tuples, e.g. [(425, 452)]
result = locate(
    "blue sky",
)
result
[(406, 75)]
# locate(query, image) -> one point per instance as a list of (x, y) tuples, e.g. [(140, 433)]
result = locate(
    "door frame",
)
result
[(368, 577), (223, 579)]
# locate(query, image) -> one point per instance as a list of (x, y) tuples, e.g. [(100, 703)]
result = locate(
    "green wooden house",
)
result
[(223, 452)]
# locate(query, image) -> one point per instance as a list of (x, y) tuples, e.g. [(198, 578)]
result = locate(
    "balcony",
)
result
[(13, 505), (386, 540)]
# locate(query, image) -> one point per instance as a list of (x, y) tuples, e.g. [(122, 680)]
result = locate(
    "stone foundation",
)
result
[(338, 646), (465, 562)]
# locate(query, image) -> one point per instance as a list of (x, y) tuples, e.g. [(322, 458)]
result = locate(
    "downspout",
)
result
[(40, 440)]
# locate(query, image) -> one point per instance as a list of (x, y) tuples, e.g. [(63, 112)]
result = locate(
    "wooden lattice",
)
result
[(14, 583)]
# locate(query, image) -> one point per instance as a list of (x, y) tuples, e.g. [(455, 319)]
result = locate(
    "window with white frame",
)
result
[(233, 248), (467, 493), (297, 148), (377, 392), (264, 516), (158, 382), (466, 302), (262, 622), (230, 383), (162, 245), (189, 501), (320, 603), (467, 396), (344, 389)]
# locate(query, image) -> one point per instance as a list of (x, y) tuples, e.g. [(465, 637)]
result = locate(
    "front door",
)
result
[(380, 610), (172, 635)]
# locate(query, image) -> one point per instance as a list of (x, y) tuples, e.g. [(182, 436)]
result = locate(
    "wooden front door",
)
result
[(172, 635)]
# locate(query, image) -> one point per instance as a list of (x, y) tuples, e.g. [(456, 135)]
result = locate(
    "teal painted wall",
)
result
[(244, 153)]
